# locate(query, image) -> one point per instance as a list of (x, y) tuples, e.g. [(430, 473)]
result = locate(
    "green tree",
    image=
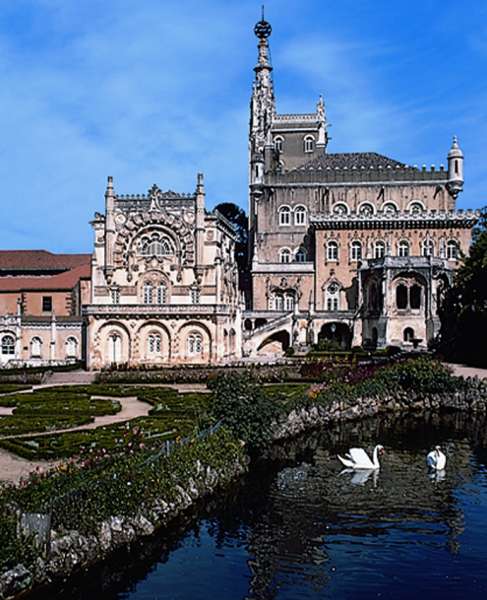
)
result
[(463, 312), (239, 220), (243, 406)]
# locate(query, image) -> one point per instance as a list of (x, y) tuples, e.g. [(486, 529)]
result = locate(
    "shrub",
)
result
[(244, 408)]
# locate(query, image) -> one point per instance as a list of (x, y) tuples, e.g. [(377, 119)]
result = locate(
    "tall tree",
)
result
[(463, 312), (238, 218)]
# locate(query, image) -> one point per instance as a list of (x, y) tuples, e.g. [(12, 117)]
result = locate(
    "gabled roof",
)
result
[(351, 160), (39, 260), (62, 281)]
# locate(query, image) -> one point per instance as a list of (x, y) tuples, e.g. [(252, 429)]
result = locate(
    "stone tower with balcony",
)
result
[(353, 247)]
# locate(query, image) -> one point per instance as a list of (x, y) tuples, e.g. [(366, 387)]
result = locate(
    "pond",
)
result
[(298, 527)]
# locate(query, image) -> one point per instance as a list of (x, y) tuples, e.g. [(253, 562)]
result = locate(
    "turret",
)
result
[(200, 226), (455, 169), (322, 141), (109, 228)]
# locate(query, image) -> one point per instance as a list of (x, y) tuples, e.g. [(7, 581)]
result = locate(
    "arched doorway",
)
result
[(335, 334)]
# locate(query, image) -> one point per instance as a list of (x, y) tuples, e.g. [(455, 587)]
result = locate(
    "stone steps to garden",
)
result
[(70, 377)]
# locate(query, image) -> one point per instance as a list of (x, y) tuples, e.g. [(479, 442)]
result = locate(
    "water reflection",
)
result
[(303, 527)]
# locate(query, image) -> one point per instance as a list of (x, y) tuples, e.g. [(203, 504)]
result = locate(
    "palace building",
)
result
[(164, 282), (352, 247), (355, 248)]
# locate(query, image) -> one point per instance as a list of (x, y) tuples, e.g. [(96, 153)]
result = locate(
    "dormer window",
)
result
[(366, 209), (309, 143), (416, 208)]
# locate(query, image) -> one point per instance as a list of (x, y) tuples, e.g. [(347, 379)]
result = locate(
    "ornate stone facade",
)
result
[(355, 247), (164, 282)]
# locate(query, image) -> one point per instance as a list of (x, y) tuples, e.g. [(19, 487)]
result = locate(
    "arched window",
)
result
[(389, 208), (278, 142), (156, 244), (416, 207), (115, 294), (115, 348), (284, 215), (289, 301), (379, 249), (71, 347), (366, 209), (340, 209), (36, 347), (332, 297), (401, 296), (309, 143), (300, 255), (408, 335), (356, 250), (284, 255), (8, 344), (148, 293), (332, 250), (403, 248), (300, 215), (415, 296), (277, 301), (452, 250), (154, 343), (195, 344), (427, 248), (161, 294)]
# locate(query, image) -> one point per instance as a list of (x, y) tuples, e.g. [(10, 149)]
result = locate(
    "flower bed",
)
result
[(81, 497), (8, 388), (29, 424), (173, 415), (45, 410)]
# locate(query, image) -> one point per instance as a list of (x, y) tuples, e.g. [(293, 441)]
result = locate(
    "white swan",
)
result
[(357, 458), (436, 460)]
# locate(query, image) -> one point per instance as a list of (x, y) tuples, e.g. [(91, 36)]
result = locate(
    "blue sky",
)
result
[(152, 91)]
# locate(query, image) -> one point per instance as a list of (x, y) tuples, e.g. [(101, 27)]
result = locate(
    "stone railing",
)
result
[(153, 310)]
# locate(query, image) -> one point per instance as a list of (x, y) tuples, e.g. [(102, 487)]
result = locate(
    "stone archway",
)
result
[(336, 333)]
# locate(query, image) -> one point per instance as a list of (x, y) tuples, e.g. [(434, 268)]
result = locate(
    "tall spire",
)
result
[(262, 102)]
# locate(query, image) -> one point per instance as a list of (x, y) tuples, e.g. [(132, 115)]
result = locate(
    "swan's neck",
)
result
[(375, 457)]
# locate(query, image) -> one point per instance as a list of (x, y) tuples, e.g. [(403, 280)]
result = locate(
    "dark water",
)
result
[(297, 528)]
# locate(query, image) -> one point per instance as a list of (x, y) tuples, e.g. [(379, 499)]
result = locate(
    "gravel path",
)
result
[(465, 371)]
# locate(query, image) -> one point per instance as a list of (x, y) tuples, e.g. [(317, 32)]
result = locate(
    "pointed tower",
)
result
[(455, 169), (262, 103), (262, 110)]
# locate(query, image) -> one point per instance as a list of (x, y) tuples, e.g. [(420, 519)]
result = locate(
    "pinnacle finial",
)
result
[(263, 29), (200, 185), (109, 190)]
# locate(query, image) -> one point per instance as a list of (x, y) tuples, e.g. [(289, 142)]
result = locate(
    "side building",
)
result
[(41, 295), (164, 282), (351, 247)]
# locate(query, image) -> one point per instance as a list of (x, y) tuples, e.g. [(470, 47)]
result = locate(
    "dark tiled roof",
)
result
[(60, 281), (351, 160), (33, 260)]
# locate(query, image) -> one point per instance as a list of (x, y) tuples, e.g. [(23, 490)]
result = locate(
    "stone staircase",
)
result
[(79, 377), (254, 339)]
